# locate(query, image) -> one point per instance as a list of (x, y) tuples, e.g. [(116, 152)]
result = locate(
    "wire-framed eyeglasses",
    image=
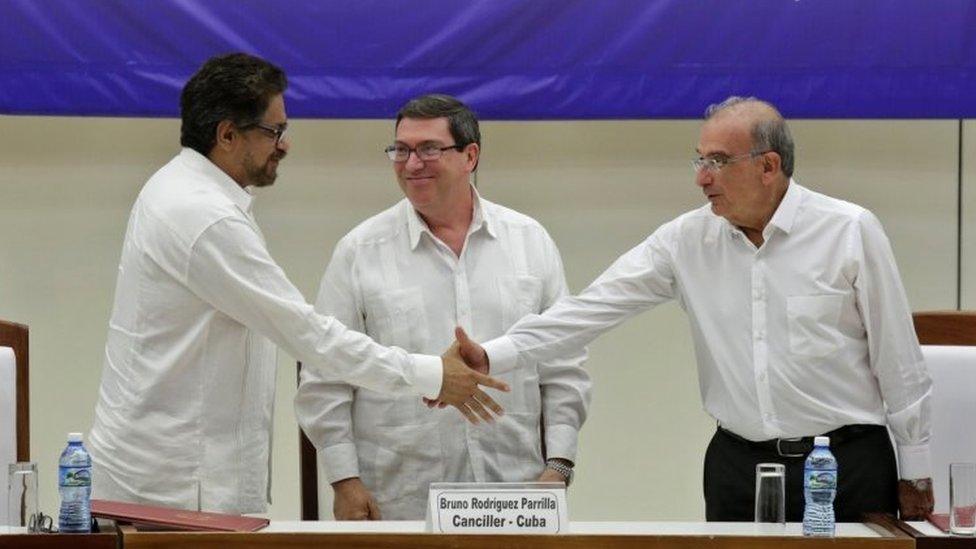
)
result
[(714, 164)]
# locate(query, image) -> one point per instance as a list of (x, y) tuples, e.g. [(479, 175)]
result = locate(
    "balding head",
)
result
[(766, 125)]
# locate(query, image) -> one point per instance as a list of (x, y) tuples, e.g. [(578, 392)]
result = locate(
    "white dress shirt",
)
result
[(393, 279), (807, 333), (184, 410)]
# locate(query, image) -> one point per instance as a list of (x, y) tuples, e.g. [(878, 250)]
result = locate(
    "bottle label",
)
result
[(75, 476), (821, 480)]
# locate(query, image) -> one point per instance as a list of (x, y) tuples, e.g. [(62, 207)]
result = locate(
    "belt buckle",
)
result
[(779, 450)]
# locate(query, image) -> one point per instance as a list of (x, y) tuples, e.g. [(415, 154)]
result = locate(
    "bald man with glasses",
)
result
[(800, 323)]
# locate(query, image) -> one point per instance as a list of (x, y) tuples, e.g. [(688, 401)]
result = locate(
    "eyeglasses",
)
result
[(278, 132), (41, 523), (715, 164), (425, 151)]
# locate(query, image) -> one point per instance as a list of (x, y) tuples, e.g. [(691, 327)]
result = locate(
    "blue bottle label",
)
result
[(821, 480), (75, 476)]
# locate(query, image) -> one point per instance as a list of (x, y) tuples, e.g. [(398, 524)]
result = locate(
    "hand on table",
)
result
[(551, 475), (353, 501), (915, 499)]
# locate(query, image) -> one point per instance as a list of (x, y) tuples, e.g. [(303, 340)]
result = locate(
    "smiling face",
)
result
[(737, 191), (260, 155), (433, 186)]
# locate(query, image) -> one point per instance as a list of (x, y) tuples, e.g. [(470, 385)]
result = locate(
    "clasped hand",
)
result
[(465, 368)]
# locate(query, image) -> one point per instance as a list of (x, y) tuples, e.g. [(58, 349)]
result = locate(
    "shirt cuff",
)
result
[(502, 355), (561, 442), (914, 462), (339, 461), (428, 374)]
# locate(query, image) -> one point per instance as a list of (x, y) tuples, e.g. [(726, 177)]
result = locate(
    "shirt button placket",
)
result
[(463, 299), (760, 345)]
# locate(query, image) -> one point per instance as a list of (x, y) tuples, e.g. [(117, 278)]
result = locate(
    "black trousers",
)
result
[(867, 477)]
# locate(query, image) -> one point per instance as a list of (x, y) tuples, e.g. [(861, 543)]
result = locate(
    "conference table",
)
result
[(877, 532)]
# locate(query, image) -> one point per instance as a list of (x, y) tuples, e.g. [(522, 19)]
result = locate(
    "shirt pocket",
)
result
[(514, 450), (814, 324), (401, 470), (519, 296), (397, 318)]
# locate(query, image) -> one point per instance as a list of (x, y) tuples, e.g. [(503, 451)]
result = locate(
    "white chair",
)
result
[(14, 422), (948, 340)]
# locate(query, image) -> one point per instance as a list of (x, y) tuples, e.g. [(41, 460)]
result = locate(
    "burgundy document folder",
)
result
[(179, 519), (940, 521)]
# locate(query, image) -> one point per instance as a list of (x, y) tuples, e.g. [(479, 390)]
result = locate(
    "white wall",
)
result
[(66, 185)]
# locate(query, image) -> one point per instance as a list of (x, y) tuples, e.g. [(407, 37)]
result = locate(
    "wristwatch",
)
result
[(558, 466), (920, 484)]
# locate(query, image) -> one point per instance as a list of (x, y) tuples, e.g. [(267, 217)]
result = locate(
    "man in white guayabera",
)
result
[(184, 410), (444, 256)]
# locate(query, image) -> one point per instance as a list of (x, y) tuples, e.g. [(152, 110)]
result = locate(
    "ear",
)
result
[(771, 165), (226, 135), (472, 153)]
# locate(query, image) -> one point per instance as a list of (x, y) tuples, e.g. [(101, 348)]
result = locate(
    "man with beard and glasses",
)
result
[(184, 409)]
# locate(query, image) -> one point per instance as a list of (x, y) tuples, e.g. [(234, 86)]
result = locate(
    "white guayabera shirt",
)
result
[(184, 410), (393, 279), (807, 333)]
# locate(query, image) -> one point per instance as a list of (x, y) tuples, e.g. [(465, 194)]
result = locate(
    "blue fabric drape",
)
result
[(509, 59)]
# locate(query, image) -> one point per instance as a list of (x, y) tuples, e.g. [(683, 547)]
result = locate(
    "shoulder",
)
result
[(844, 219), (377, 229), (823, 206), (509, 221), (184, 201), (695, 225)]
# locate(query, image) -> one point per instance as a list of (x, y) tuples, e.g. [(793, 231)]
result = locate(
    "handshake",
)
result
[(465, 369)]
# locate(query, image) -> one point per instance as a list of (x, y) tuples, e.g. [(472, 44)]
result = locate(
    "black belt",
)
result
[(801, 446)]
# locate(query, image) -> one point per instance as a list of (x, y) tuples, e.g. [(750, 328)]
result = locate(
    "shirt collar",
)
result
[(227, 186), (482, 217), (786, 212)]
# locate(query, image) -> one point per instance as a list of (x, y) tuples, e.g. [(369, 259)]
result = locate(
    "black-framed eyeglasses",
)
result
[(714, 164), (424, 151), (277, 132)]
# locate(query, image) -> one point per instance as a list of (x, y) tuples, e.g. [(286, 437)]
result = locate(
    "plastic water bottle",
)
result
[(74, 480), (819, 489)]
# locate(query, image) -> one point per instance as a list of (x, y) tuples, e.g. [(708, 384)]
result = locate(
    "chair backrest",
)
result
[(15, 336), (308, 471), (948, 340), (946, 327), (14, 431)]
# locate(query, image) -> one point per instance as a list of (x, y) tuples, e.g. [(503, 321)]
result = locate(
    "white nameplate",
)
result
[(497, 508)]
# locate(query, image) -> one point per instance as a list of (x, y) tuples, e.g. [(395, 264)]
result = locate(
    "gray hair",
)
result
[(768, 133)]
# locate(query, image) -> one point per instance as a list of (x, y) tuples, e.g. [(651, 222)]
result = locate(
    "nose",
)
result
[(284, 143), (413, 161), (703, 177)]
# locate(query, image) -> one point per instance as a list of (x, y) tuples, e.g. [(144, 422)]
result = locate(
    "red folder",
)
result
[(174, 518), (940, 521)]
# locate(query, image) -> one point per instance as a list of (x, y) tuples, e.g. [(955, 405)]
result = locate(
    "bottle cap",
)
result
[(821, 441), (74, 437)]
